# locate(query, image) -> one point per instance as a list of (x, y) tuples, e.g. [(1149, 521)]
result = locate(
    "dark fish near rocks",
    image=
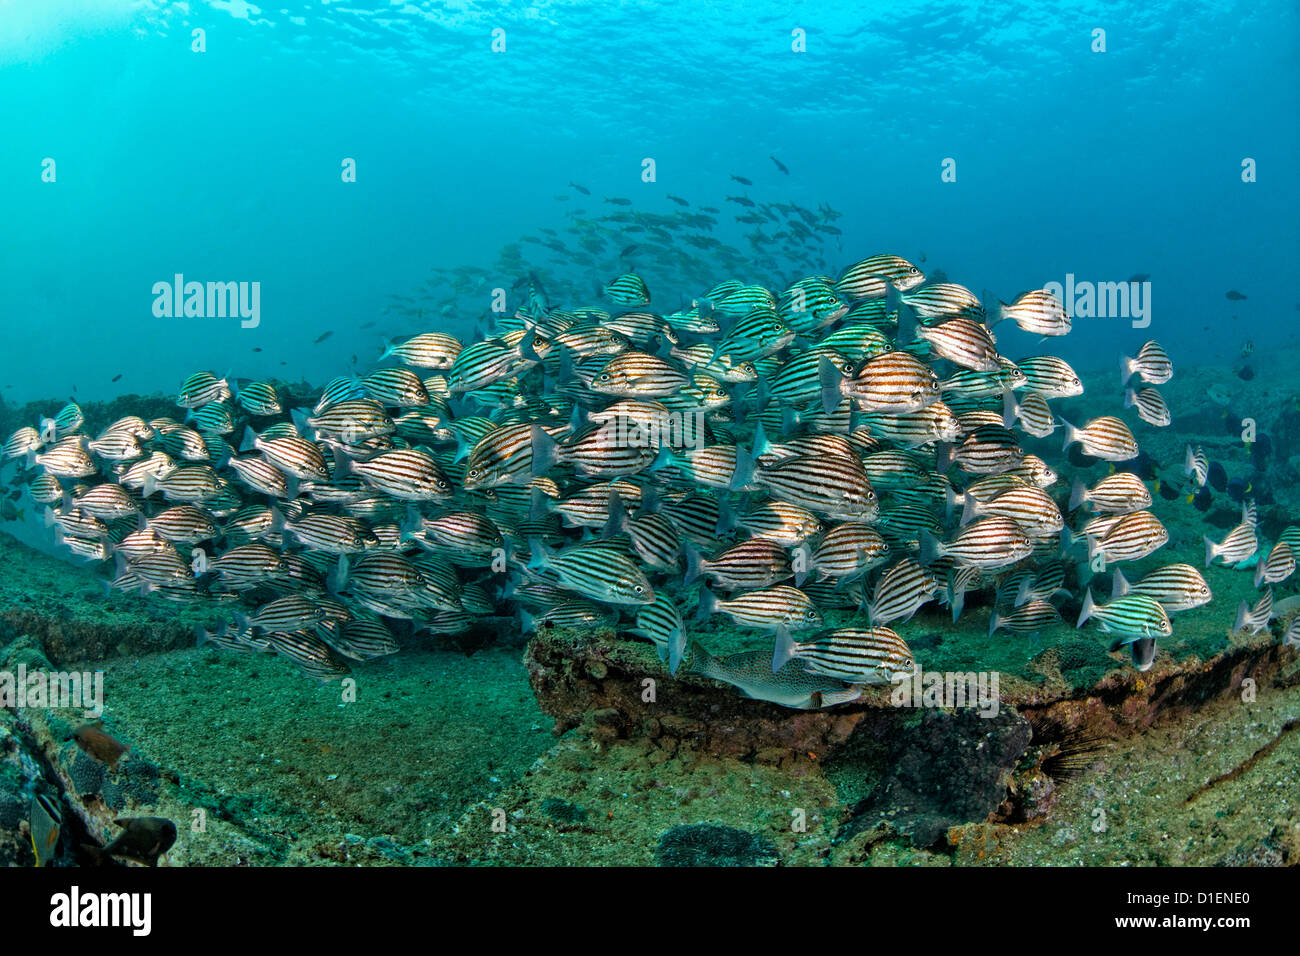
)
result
[(142, 840), (94, 742)]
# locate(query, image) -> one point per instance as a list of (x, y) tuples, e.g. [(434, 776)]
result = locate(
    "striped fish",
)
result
[(504, 456), (1277, 567), (786, 524), (963, 341), (1029, 507), (67, 459), (1132, 616), (190, 483), (934, 422), (290, 613), (360, 640), (1038, 312), (483, 363), (894, 382), (871, 278), (767, 609), (661, 623), (1132, 537), (940, 300), (1255, 619), (901, 591), (1031, 412), (1237, 547), (431, 350), (398, 387), (312, 655), (833, 486), (334, 534), (988, 450), (248, 564), (200, 389), (116, 446), (294, 456), (872, 655), (260, 475), (406, 474), (628, 289), (1197, 466), (991, 542), (1120, 493), (1050, 376), (1151, 407), (596, 571), (352, 421), (1178, 587), (639, 375), (1151, 364), (1106, 437), (21, 443), (751, 564), (1030, 618), (847, 551)]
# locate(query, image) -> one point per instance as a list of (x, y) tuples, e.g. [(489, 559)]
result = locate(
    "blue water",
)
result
[(225, 165)]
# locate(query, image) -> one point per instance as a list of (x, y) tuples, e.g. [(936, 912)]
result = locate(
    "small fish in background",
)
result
[(322, 337), (1234, 295), (781, 166), (1277, 567), (582, 189), (1151, 407), (1255, 618), (679, 200), (619, 201), (1239, 545), (142, 840), (1139, 277), (116, 378), (45, 824), (96, 743), (1151, 364), (1197, 465), (741, 179)]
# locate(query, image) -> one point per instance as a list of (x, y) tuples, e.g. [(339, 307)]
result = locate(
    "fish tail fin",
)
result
[(546, 452), (930, 548), (694, 564), (1071, 434), (832, 385), (1119, 586), (1088, 608), (783, 652), (1211, 551), (743, 474), (968, 510), (1078, 494), (1125, 369), (995, 622)]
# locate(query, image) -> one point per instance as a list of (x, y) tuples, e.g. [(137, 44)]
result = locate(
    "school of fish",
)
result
[(846, 448)]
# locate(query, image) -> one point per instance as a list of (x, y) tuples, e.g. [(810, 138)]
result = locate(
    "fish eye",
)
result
[(639, 589)]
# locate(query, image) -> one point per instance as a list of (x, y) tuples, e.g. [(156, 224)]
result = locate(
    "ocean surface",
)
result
[(444, 615), (225, 165)]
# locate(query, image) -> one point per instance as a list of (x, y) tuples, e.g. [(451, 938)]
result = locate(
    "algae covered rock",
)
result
[(708, 844)]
